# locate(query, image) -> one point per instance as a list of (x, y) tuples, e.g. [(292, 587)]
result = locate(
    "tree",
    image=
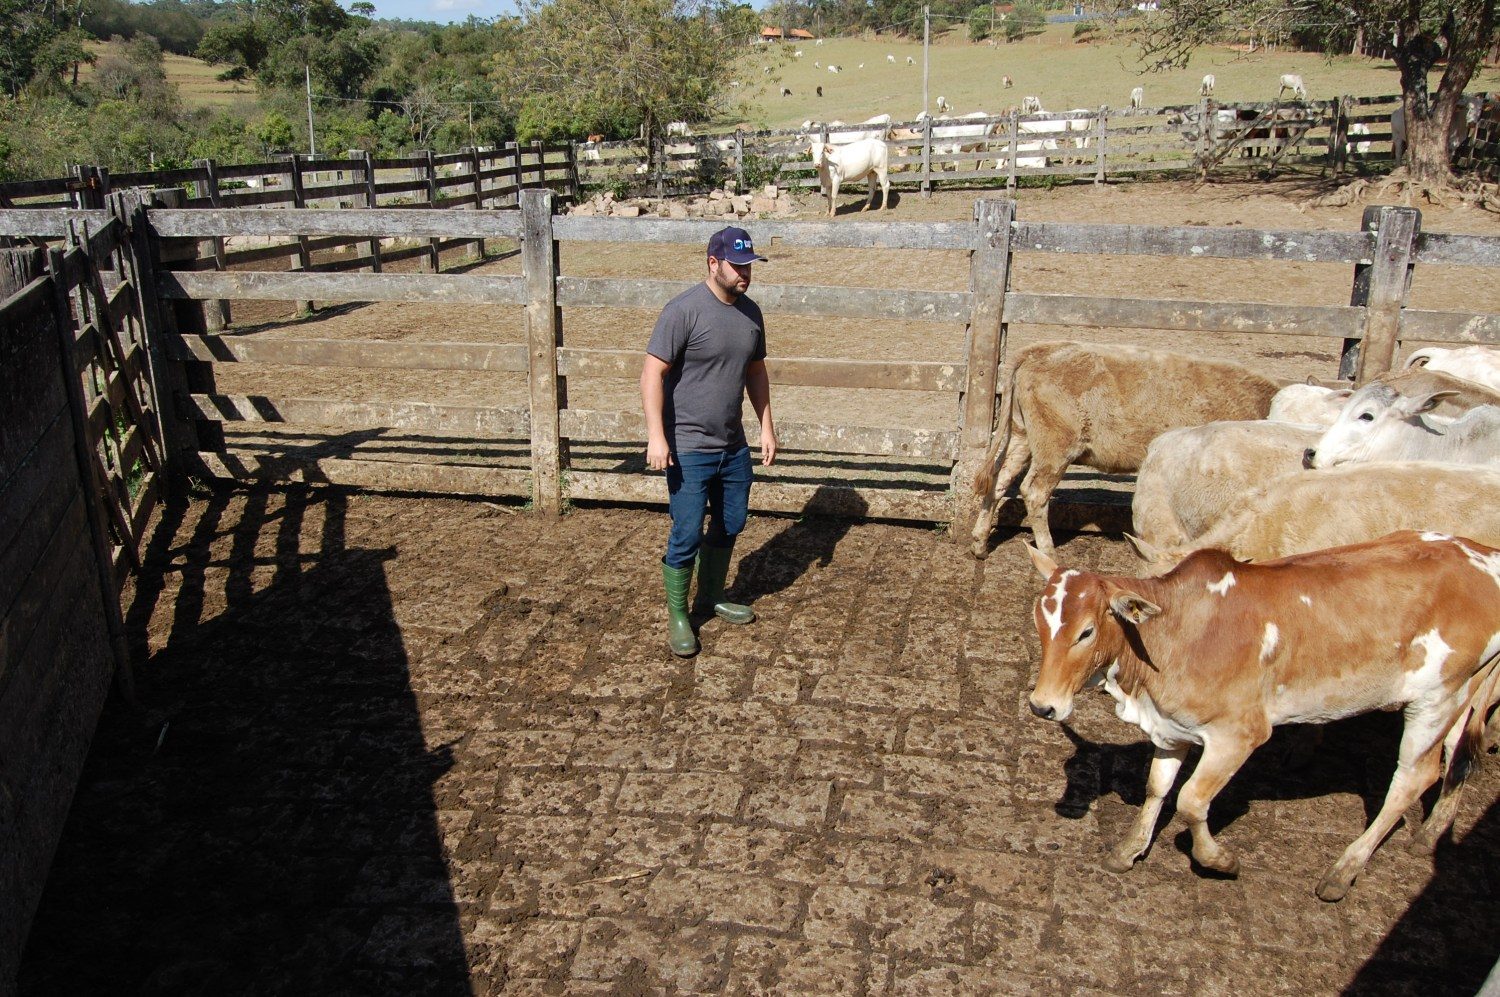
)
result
[(1422, 32), (601, 63)]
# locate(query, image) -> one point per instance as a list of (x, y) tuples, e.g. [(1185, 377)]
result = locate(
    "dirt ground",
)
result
[(398, 745), (395, 744)]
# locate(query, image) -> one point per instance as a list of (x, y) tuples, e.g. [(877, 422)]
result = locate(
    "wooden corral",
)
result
[(80, 475)]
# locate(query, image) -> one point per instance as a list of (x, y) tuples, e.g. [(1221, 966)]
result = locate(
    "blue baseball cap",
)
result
[(733, 244)]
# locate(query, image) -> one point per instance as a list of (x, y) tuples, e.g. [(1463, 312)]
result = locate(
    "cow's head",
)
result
[(1367, 417), (819, 151), (1081, 620)]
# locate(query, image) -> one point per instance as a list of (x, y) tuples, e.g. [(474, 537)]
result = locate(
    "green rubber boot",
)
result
[(713, 568), (680, 636)]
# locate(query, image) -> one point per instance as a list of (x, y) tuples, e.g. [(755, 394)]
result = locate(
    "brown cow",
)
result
[(1219, 651), (1100, 406)]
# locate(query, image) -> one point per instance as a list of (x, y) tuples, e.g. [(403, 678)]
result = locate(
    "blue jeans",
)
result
[(716, 481)]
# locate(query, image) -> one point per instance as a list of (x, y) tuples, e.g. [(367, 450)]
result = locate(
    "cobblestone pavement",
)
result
[(398, 745)]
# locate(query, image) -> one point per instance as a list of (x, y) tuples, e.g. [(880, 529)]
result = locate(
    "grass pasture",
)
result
[(1064, 74), (196, 81)]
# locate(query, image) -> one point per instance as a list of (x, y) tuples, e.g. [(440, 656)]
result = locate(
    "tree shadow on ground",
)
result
[(266, 822)]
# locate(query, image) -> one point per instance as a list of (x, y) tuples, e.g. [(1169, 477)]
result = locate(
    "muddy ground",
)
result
[(396, 744)]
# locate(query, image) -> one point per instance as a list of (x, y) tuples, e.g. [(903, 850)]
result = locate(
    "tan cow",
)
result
[(1075, 403), (1310, 510), (1219, 652)]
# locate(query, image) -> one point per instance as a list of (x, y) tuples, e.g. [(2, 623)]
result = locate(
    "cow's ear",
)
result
[(1129, 606), (1044, 564), (1433, 400), (1414, 405)]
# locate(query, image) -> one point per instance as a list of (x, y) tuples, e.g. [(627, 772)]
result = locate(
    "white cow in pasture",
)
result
[(1378, 424), (891, 59), (678, 128), (1480, 364), (1137, 98), (1006, 82), (1206, 88), (1359, 145), (942, 104), (956, 139), (910, 61), (1077, 131), (1292, 82), (835, 69), (817, 64), (1033, 161), (844, 164), (1031, 105), (797, 54), (818, 43)]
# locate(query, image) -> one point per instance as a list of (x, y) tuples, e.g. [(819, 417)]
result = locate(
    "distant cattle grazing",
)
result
[(1303, 511), (1031, 105), (1191, 476), (817, 65), (1067, 403), (1206, 88), (1137, 97), (1292, 82), (942, 104), (1006, 82), (818, 43), (820, 91), (1480, 364), (890, 58), (910, 61), (835, 69), (785, 92), (844, 164), (1377, 423), (1219, 652), (797, 54), (678, 128)]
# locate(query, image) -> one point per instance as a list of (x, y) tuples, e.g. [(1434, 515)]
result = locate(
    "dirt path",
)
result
[(420, 746)]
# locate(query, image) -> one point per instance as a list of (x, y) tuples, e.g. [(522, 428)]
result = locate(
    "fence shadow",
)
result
[(267, 822)]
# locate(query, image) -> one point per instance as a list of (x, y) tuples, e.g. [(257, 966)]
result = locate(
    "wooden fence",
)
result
[(551, 435), (80, 475), (1091, 144)]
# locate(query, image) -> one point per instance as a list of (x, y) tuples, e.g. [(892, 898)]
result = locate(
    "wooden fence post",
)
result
[(372, 200), (299, 200), (539, 265), (574, 182), (739, 162), (431, 263), (88, 476), (926, 155), (1101, 132), (1338, 141), (477, 246), (1381, 286), (513, 149), (1013, 135), (989, 275), (216, 313)]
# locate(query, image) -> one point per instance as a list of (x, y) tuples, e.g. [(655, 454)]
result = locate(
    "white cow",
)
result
[(1191, 476), (835, 69), (1378, 424), (910, 61), (1308, 404), (1292, 82), (1006, 82), (797, 54), (843, 164), (1206, 88), (1031, 105), (1080, 128), (942, 104), (956, 139), (818, 43), (1480, 364), (891, 59), (590, 151), (1137, 98), (817, 64), (1032, 162), (678, 128)]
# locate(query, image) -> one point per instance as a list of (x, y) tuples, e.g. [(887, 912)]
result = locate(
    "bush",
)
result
[(759, 171)]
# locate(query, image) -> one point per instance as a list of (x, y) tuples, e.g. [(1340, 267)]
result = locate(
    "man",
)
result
[(707, 352)]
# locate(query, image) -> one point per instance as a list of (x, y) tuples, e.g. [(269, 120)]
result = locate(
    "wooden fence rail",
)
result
[(547, 448)]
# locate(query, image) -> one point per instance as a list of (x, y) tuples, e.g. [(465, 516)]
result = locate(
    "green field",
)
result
[(1051, 66)]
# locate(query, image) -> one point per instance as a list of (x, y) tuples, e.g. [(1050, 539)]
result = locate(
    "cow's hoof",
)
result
[(1332, 889), (1224, 863), (980, 549), (1422, 843), (1118, 862)]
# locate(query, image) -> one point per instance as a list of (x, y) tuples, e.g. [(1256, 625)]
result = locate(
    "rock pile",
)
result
[(723, 204)]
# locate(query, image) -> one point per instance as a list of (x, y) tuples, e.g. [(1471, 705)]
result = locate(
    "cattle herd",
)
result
[(1309, 553)]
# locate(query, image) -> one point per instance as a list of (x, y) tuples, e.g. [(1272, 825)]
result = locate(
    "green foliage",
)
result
[(979, 23), (26, 29), (761, 170), (274, 133), (1085, 31), (239, 43), (1027, 18), (176, 26)]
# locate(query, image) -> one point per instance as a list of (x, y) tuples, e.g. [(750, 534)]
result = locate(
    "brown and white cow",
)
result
[(1219, 651), (1076, 403)]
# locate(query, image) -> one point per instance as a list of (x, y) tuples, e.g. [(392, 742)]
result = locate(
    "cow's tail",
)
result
[(1421, 358), (984, 480), (1471, 743)]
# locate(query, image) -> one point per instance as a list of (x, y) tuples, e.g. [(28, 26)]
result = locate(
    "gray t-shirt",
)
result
[(709, 344)]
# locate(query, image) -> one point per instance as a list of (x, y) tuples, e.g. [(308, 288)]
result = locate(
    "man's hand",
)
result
[(767, 447), (658, 455)]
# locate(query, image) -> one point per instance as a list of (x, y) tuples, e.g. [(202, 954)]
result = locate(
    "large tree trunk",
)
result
[(1427, 152)]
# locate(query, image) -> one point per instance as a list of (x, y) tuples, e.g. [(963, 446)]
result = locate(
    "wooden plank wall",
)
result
[(55, 649)]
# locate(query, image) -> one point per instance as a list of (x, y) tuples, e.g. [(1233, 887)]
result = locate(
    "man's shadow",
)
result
[(811, 539)]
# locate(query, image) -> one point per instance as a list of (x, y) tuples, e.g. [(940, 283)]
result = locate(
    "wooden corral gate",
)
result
[(552, 435), (80, 474)]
